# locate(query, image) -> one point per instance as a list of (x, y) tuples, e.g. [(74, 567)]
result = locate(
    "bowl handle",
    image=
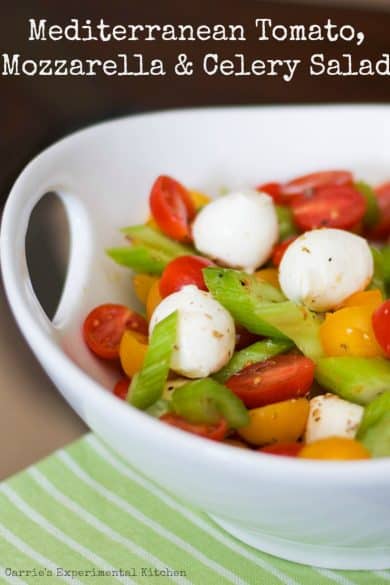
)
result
[(24, 302)]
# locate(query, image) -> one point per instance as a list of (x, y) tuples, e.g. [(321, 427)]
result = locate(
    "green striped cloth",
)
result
[(83, 515)]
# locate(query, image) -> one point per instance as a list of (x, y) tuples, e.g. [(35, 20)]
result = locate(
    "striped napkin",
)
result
[(83, 515)]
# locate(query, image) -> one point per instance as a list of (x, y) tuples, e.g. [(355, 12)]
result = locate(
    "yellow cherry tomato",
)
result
[(142, 284), (334, 448), (151, 222), (270, 275), (132, 351), (280, 422), (199, 199), (373, 298), (349, 331), (154, 298)]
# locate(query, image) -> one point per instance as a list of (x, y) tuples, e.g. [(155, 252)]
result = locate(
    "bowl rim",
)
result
[(348, 473)]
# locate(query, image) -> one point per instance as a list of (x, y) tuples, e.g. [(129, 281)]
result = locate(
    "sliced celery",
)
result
[(206, 401), (140, 259), (159, 408), (386, 268), (257, 352), (261, 308), (378, 279), (377, 437), (147, 386), (371, 217), (151, 238), (286, 222), (356, 379), (374, 412)]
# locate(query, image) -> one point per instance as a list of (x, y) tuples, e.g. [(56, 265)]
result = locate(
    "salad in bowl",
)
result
[(266, 319)]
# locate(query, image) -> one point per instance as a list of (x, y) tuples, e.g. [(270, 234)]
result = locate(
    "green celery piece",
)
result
[(257, 352), (140, 259), (374, 411), (159, 408), (206, 401), (372, 215), (151, 238), (262, 309), (355, 379), (147, 385), (378, 279), (377, 438), (286, 222)]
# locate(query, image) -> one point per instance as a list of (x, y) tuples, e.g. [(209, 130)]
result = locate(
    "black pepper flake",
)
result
[(330, 259)]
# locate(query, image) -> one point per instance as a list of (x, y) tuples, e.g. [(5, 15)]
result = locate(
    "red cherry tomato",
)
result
[(104, 326), (121, 388), (182, 271), (382, 230), (381, 326), (280, 249), (172, 208), (286, 449), (244, 337), (307, 184), (336, 207), (274, 380), (215, 432), (272, 189)]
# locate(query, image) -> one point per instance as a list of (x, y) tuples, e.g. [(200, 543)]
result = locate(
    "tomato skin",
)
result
[(172, 208), (121, 388), (183, 271), (336, 448), (307, 184), (340, 207), (272, 189), (286, 449), (382, 230), (104, 326), (279, 378), (215, 432), (349, 331), (381, 326), (280, 249)]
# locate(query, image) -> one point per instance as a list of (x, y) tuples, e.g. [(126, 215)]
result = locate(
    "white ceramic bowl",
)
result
[(327, 514)]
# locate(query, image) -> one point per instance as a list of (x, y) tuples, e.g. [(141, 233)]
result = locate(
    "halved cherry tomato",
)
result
[(272, 189), (244, 337), (215, 432), (121, 388), (281, 422), (286, 449), (334, 448), (153, 299), (183, 271), (381, 326), (382, 230), (104, 326), (373, 298), (337, 207), (172, 208), (280, 249), (349, 331), (132, 352), (142, 284), (307, 184), (276, 379)]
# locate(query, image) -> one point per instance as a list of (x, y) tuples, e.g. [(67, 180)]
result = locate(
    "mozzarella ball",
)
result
[(206, 333), (331, 416), (323, 267), (238, 229)]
